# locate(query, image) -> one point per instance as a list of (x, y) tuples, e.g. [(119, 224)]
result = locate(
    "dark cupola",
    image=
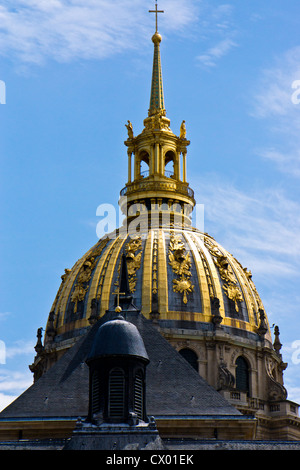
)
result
[(117, 366)]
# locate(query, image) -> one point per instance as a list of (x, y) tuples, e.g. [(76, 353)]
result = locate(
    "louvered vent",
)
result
[(138, 396), (95, 392), (116, 394)]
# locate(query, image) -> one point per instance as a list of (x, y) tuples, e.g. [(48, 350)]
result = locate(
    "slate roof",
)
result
[(174, 388)]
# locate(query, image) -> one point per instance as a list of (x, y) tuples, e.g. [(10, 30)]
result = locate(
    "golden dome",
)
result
[(181, 277)]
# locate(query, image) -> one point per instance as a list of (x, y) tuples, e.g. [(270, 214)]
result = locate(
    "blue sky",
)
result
[(75, 71)]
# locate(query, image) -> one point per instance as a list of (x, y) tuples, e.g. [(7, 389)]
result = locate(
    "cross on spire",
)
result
[(118, 293), (156, 11)]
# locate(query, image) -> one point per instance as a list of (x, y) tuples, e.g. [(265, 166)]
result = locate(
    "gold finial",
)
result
[(156, 11)]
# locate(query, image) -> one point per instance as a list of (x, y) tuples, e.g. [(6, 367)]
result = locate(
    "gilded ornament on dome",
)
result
[(85, 274), (83, 277), (183, 286), (179, 260), (233, 293), (133, 251), (65, 275), (78, 295), (180, 263), (230, 286)]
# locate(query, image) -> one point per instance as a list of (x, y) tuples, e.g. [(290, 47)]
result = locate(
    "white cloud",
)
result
[(12, 384), (4, 315), (19, 348), (6, 400), (221, 16), (13, 381), (276, 100), (33, 30), (218, 23), (287, 161), (274, 96), (290, 353), (261, 229), (209, 58), (172, 19)]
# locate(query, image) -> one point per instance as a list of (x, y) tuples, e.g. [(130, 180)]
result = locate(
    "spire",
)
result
[(157, 184), (157, 94)]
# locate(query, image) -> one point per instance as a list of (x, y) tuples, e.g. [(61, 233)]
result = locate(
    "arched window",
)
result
[(116, 394), (139, 395), (169, 164), (144, 164), (190, 356), (242, 375)]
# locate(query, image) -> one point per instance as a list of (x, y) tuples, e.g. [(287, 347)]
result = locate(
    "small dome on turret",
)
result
[(118, 337)]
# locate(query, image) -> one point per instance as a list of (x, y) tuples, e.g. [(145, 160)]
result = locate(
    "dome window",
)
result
[(242, 375), (190, 356)]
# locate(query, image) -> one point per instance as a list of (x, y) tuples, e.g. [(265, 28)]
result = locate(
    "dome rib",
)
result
[(203, 284)]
